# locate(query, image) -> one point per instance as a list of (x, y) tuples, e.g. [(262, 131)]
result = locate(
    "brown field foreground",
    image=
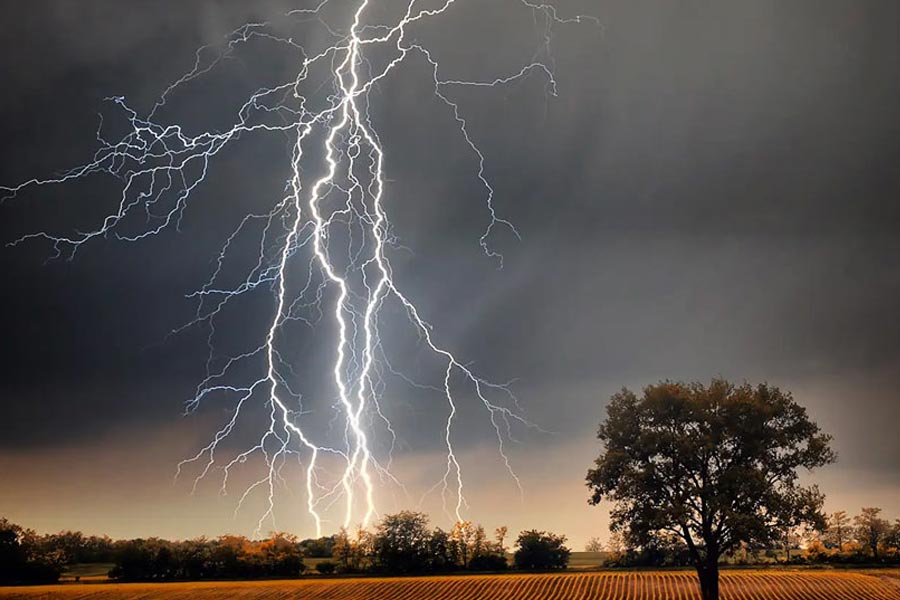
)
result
[(646, 585)]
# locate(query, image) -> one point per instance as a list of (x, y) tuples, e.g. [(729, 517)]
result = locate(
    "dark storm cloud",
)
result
[(714, 192)]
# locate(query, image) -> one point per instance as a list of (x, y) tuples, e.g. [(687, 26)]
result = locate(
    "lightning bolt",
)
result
[(160, 165)]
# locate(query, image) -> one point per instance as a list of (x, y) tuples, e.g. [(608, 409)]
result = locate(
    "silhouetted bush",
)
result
[(489, 562), (325, 567), (541, 551), (322, 547)]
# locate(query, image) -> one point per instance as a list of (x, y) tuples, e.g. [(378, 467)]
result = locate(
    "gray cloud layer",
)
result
[(714, 192)]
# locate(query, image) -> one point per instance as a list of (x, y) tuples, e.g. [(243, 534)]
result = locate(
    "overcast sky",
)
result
[(714, 192)]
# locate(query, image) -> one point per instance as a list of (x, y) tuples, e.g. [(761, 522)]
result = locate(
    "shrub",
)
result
[(489, 562), (541, 551), (325, 567)]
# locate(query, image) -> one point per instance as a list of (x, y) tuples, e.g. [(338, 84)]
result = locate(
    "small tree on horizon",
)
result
[(838, 529), (401, 543), (541, 551), (593, 545), (713, 465), (500, 537), (463, 537), (871, 529), (351, 552)]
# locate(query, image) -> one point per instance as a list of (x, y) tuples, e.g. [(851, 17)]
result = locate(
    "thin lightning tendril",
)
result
[(161, 165)]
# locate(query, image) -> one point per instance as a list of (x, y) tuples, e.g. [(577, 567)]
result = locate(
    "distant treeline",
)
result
[(866, 539), (400, 544), (226, 557), (404, 543)]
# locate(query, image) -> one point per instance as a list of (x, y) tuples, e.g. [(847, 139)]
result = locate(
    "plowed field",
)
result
[(669, 585)]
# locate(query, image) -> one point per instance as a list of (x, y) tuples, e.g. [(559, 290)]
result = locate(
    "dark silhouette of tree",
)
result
[(134, 560), (441, 551), (712, 465), (871, 529), (593, 545), (322, 547), (892, 539), (22, 559), (464, 537), (227, 557), (541, 551), (201, 558), (490, 556), (351, 552), (69, 544), (325, 567), (838, 530), (280, 555), (401, 543), (12, 555)]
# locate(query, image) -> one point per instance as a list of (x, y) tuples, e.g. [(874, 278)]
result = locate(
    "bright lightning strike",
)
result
[(160, 166)]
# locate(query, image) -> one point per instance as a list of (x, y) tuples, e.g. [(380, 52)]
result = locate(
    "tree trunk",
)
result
[(787, 547), (709, 581)]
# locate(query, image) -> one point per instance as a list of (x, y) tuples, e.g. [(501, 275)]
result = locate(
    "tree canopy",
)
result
[(541, 551), (23, 560), (400, 544)]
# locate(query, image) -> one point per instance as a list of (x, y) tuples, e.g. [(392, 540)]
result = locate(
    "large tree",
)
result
[(714, 465)]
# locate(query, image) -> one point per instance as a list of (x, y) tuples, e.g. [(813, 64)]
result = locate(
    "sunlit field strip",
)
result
[(645, 585)]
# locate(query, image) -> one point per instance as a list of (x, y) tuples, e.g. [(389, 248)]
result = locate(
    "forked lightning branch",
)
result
[(323, 253)]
